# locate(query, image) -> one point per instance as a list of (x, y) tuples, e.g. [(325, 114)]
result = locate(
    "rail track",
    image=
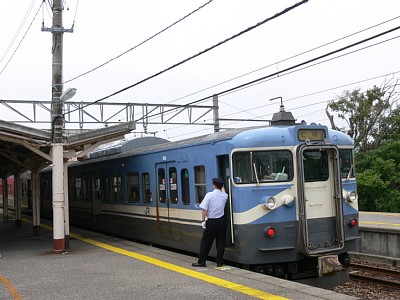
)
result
[(372, 274)]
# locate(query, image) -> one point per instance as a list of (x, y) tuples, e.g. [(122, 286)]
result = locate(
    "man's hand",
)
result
[(203, 224)]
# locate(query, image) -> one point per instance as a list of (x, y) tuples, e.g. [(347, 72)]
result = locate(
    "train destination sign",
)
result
[(311, 134)]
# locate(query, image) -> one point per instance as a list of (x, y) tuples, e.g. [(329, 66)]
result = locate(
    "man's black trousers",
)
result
[(215, 229)]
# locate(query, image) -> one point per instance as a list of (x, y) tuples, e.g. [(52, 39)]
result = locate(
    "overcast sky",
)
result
[(105, 29)]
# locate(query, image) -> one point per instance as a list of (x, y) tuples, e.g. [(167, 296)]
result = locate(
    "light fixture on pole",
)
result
[(67, 94)]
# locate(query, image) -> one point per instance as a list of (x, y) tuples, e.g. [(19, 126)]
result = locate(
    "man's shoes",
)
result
[(220, 265), (198, 265)]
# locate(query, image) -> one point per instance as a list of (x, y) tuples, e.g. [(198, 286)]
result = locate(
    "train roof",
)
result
[(152, 144), (126, 145)]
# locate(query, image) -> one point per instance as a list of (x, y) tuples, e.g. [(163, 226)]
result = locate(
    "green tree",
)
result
[(370, 117), (372, 120), (378, 177)]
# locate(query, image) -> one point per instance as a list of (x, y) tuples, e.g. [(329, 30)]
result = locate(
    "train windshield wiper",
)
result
[(255, 173)]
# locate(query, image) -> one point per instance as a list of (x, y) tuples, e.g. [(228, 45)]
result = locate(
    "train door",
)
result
[(224, 174), (320, 203), (168, 220)]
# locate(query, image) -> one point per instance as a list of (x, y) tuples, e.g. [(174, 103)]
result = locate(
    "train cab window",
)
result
[(133, 193), (185, 186), (162, 193), (173, 185), (200, 183), (117, 189), (315, 165), (346, 163), (262, 166), (146, 188)]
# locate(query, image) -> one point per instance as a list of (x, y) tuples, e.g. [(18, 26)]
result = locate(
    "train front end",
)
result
[(293, 203)]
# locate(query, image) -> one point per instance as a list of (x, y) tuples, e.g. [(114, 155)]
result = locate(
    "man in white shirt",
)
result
[(213, 207)]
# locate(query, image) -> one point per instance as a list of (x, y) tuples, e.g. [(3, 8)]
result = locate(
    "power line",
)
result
[(18, 31), (141, 43), (76, 11), (201, 52), (289, 58), (312, 65), (308, 61), (291, 99), (270, 76), (287, 100), (21, 39)]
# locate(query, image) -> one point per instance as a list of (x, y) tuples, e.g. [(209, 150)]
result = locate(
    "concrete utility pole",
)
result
[(57, 121), (57, 127)]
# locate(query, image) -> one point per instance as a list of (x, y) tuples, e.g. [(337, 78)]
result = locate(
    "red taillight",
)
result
[(269, 232), (353, 222)]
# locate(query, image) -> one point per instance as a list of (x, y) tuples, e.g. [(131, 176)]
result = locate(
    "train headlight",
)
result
[(352, 196), (270, 203)]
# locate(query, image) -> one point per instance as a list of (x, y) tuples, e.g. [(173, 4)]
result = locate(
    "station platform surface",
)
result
[(98, 266)]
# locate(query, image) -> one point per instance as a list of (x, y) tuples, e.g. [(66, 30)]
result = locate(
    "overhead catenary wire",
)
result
[(76, 11), (141, 43), (291, 57), (292, 99), (18, 31), (23, 37), (289, 68), (288, 58), (200, 53), (314, 64)]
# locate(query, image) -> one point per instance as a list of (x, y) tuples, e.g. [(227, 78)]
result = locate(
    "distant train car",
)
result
[(10, 187), (25, 195), (292, 208)]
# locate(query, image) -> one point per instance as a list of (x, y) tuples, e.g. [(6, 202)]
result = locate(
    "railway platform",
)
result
[(104, 267), (379, 238)]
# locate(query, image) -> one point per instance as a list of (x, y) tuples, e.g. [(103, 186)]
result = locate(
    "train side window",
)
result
[(97, 189), (117, 189), (200, 183), (106, 190), (162, 193), (185, 186), (78, 185), (146, 188), (46, 189), (85, 189), (133, 192), (173, 185)]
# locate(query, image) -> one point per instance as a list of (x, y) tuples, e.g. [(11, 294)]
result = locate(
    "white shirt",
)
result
[(214, 203)]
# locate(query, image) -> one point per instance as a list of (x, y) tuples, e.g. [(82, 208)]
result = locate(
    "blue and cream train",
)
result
[(292, 208)]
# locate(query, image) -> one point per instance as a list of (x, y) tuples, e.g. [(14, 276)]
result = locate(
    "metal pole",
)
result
[(17, 200), (215, 113), (35, 202), (66, 208), (5, 198), (57, 129)]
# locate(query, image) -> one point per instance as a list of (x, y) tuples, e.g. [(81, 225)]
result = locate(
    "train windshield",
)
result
[(262, 166)]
